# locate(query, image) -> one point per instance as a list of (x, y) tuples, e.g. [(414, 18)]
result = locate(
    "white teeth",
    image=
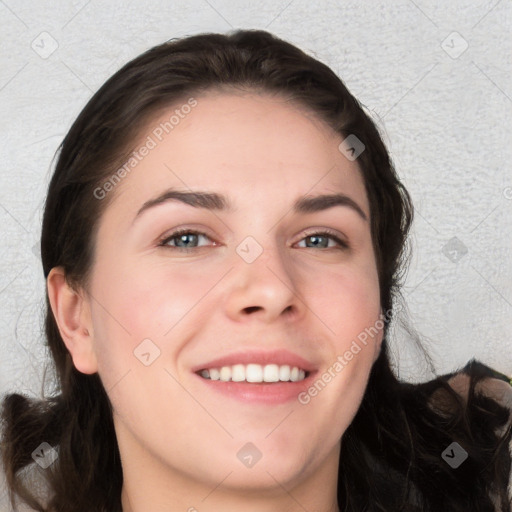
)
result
[(225, 373), (284, 372), (238, 372), (255, 373), (271, 373)]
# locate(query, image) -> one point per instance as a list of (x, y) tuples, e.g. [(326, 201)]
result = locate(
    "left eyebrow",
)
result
[(219, 202), (311, 204)]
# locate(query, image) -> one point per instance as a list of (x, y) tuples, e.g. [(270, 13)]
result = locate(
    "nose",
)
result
[(264, 289)]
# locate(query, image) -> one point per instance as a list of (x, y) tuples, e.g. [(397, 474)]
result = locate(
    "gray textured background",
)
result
[(444, 111)]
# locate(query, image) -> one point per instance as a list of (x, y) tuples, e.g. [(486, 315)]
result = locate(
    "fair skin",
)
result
[(178, 436)]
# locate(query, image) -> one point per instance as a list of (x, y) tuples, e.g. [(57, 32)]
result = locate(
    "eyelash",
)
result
[(176, 234)]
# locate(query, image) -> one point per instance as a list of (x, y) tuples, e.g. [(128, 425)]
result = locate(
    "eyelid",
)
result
[(339, 238), (175, 233)]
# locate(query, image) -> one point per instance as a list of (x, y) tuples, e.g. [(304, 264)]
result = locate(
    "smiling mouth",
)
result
[(255, 373)]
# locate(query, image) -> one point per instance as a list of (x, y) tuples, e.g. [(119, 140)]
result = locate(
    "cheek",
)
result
[(137, 298), (346, 301), (361, 329), (136, 303), (159, 297), (348, 306)]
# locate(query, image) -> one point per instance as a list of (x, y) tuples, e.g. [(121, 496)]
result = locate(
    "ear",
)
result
[(73, 316)]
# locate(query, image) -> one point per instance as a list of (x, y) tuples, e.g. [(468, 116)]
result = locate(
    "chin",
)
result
[(264, 477)]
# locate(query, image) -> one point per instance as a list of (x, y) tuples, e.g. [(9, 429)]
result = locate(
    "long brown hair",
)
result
[(391, 453)]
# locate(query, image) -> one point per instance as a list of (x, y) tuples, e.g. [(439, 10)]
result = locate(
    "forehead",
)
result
[(251, 146)]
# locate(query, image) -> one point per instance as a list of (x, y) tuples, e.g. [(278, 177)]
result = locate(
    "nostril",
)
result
[(250, 309)]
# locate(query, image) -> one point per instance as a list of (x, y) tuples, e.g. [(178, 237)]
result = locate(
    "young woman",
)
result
[(223, 240)]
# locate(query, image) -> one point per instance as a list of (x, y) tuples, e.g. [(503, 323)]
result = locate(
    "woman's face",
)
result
[(261, 285)]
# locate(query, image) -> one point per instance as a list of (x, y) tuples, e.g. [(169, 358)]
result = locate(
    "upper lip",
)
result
[(279, 357)]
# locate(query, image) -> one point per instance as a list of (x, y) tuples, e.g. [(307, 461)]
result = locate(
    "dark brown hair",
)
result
[(391, 453)]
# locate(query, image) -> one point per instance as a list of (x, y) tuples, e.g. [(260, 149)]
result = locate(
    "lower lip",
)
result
[(263, 393)]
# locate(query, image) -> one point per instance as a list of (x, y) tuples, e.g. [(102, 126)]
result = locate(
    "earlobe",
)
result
[(72, 314)]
